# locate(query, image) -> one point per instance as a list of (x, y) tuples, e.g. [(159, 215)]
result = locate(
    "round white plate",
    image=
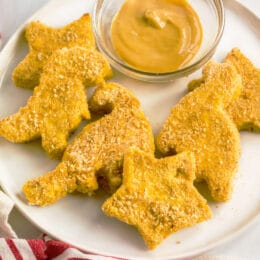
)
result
[(78, 219)]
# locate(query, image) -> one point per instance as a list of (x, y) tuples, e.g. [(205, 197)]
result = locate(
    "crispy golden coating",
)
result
[(96, 154), (195, 83), (59, 103), (157, 196), (199, 123), (245, 110), (43, 41)]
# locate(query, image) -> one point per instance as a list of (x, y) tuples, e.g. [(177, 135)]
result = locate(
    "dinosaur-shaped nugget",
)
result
[(199, 123), (96, 155), (59, 103), (245, 110)]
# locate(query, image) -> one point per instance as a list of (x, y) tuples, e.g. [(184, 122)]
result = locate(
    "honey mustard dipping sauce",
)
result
[(156, 36)]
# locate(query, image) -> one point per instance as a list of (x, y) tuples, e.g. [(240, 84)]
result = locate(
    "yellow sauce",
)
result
[(156, 36)]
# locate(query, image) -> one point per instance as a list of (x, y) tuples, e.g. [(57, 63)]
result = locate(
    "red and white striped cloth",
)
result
[(41, 249), (45, 248)]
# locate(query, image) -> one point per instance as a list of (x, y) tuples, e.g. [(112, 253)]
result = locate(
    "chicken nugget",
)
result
[(43, 41), (95, 157), (199, 123), (59, 103), (245, 110), (157, 196)]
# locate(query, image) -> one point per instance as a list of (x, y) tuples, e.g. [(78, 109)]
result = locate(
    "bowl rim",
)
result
[(166, 76)]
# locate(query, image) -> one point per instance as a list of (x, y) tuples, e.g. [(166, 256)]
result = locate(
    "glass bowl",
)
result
[(211, 14)]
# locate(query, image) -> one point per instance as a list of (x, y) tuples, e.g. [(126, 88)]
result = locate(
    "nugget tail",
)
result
[(195, 84), (27, 73), (50, 187), (20, 127), (54, 142), (220, 191), (54, 185)]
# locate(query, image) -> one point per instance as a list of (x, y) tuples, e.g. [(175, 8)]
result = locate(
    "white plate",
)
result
[(77, 219)]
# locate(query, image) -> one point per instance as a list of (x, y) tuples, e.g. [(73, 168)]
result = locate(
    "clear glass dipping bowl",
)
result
[(211, 14)]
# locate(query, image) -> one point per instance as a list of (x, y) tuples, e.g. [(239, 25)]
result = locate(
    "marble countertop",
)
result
[(13, 13)]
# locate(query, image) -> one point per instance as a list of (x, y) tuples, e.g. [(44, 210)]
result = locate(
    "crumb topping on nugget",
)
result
[(157, 196), (95, 157), (44, 40), (59, 103), (200, 124), (245, 110)]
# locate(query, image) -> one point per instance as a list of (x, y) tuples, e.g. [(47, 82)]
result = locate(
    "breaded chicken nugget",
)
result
[(199, 123), (245, 110), (157, 195), (59, 103), (43, 41), (96, 154)]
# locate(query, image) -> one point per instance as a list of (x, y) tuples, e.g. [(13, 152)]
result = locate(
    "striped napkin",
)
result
[(43, 249)]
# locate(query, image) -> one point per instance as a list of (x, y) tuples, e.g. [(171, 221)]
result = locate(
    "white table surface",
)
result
[(12, 14)]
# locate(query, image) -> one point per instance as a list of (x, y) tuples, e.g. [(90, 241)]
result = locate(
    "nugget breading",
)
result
[(195, 83), (43, 41), (245, 110), (199, 123), (96, 154), (59, 103), (157, 195)]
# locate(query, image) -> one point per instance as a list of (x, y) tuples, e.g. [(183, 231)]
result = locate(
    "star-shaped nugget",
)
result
[(43, 41), (59, 103), (157, 195), (245, 110)]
